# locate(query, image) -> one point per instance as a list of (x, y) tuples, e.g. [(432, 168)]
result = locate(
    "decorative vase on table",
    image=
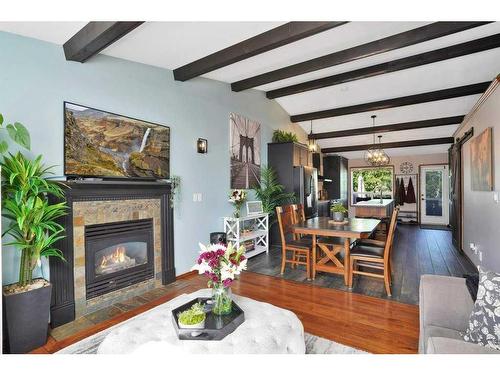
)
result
[(221, 264), (221, 299), (237, 197)]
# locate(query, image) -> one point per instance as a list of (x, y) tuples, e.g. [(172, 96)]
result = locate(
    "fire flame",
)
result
[(117, 256)]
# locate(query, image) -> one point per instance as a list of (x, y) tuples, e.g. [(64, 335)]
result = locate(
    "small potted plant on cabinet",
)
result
[(33, 231), (338, 212)]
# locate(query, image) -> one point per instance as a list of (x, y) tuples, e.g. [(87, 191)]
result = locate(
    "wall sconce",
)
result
[(202, 146)]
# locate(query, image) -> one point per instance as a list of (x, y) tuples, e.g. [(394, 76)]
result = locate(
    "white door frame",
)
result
[(435, 220)]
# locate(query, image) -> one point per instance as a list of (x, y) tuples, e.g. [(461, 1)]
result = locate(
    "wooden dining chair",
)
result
[(371, 254), (300, 250)]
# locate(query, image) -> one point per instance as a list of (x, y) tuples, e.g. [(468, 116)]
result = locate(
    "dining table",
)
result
[(345, 232)]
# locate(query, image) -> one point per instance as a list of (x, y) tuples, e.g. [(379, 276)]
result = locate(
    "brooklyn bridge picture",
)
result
[(245, 152)]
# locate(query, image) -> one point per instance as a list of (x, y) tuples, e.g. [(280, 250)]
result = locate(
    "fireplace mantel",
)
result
[(62, 273)]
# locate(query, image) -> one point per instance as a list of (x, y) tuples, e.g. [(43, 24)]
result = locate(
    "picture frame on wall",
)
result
[(481, 152), (245, 145)]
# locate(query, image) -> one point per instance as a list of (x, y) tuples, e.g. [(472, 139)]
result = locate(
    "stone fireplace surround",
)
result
[(96, 202)]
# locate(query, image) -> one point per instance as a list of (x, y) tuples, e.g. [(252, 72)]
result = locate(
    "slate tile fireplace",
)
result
[(119, 243), (117, 255)]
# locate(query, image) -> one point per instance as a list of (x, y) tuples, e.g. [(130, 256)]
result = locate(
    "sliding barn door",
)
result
[(455, 161)]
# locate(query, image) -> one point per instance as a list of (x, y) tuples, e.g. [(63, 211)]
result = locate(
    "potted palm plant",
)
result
[(271, 192), (33, 231)]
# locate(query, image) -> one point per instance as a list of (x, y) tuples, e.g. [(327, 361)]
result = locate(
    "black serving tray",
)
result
[(216, 326)]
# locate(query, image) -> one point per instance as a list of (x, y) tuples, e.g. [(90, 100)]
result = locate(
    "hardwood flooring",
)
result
[(416, 252), (371, 324)]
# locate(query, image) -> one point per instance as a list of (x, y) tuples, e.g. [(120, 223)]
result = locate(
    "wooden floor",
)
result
[(371, 324), (416, 252)]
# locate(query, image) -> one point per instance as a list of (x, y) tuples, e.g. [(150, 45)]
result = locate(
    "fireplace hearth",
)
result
[(118, 254)]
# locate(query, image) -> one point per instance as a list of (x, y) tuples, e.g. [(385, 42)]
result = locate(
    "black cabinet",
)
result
[(335, 169), (282, 157), (324, 208)]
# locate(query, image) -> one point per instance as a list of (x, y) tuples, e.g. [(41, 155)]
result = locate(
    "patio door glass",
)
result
[(434, 195)]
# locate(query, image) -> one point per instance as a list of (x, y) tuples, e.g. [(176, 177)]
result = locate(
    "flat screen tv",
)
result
[(103, 144)]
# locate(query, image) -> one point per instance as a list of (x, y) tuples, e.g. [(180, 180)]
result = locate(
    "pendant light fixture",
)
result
[(313, 147), (375, 155)]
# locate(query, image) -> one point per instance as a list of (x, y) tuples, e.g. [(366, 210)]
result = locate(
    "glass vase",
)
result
[(236, 213), (221, 300)]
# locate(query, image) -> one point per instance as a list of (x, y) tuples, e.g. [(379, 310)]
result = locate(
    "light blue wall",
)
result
[(35, 79)]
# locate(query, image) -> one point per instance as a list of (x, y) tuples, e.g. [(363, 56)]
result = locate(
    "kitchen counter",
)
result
[(374, 209), (374, 203)]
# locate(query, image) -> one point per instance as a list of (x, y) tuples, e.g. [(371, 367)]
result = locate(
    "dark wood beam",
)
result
[(441, 54), (454, 92), (274, 38), (404, 39), (94, 37), (415, 143), (435, 122)]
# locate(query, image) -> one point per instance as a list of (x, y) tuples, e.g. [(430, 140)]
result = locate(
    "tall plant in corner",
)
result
[(271, 192), (33, 223), (34, 231)]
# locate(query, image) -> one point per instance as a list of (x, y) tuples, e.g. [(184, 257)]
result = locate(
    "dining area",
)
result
[(344, 250)]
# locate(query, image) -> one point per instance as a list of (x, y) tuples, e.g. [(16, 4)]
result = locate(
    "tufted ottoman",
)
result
[(267, 329)]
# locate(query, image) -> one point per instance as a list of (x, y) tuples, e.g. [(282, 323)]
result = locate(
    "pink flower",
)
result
[(227, 283)]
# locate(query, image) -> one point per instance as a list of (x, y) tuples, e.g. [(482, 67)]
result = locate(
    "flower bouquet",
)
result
[(221, 265), (237, 197)]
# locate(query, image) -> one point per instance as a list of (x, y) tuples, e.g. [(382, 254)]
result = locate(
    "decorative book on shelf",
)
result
[(250, 231)]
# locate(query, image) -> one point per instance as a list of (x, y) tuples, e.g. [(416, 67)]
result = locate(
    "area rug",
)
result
[(313, 344)]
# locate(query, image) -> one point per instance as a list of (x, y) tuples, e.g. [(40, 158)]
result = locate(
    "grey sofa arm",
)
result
[(444, 345), (444, 302)]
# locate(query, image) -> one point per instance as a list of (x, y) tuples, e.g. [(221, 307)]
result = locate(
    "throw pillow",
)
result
[(484, 321), (472, 283)]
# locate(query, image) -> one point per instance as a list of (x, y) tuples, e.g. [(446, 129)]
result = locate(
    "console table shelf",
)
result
[(249, 228)]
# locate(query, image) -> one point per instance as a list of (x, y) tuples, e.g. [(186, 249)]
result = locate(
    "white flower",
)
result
[(228, 271), (202, 247), (201, 268), (242, 266)]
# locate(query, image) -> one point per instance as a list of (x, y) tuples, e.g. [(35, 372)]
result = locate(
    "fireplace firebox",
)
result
[(117, 255)]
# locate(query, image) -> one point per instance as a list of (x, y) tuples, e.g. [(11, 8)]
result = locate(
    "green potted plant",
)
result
[(338, 212), (33, 231), (281, 136), (271, 193), (193, 318)]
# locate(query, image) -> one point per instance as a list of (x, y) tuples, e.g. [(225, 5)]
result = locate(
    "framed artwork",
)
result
[(244, 147), (482, 161)]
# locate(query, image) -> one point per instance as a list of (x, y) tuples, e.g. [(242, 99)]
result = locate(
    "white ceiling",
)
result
[(173, 44)]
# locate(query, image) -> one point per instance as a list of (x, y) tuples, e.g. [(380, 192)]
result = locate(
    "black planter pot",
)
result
[(27, 318)]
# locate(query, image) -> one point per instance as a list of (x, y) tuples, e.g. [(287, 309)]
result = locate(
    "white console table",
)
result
[(243, 229)]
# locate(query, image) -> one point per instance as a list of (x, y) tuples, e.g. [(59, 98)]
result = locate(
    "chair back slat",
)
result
[(286, 219), (390, 234), (301, 215)]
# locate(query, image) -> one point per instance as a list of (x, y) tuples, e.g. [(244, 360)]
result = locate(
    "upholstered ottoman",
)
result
[(267, 329)]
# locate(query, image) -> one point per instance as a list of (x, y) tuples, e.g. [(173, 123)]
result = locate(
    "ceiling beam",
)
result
[(463, 49), (415, 143), (271, 39), (404, 39), (435, 122), (454, 92), (94, 37)]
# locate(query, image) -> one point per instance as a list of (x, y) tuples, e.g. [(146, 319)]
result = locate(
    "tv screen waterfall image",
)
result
[(103, 144)]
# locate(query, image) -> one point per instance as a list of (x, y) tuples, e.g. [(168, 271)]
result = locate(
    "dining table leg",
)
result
[(347, 260), (313, 248)]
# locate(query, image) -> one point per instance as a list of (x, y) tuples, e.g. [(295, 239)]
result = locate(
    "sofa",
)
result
[(445, 305)]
